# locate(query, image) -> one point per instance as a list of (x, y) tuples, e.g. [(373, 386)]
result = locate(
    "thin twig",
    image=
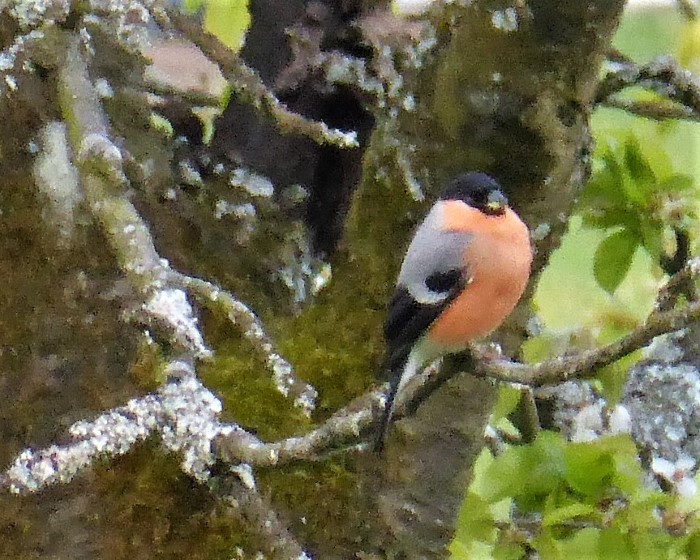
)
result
[(663, 75), (302, 394), (191, 97), (236, 489), (652, 109), (678, 284), (584, 365), (247, 85), (348, 426)]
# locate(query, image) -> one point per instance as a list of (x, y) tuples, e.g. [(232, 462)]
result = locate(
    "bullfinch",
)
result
[(462, 275)]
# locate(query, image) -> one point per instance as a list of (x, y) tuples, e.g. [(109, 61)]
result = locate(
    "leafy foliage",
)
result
[(571, 500), (636, 197)]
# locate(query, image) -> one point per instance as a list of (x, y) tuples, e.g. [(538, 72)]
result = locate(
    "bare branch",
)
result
[(192, 98), (183, 412), (302, 394), (186, 413), (236, 489), (112, 434), (105, 185), (586, 364), (349, 425), (100, 164), (678, 283), (662, 75), (247, 85), (345, 428), (186, 416), (657, 111)]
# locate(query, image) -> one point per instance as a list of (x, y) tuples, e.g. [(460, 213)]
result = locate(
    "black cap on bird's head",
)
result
[(478, 190)]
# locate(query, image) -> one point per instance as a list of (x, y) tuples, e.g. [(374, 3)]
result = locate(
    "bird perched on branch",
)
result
[(462, 275)]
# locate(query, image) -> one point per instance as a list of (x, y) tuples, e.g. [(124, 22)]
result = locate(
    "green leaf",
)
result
[(637, 166), (480, 470), (614, 543), (566, 513), (693, 547), (613, 258), (627, 472), (192, 5), (545, 465), (677, 183), (589, 469), (642, 513), (614, 216), (508, 399), (527, 472), (657, 545), (657, 158), (476, 521), (506, 476), (636, 194), (547, 546), (613, 167), (614, 376), (605, 188), (584, 544), (228, 20), (471, 550), (507, 551), (652, 231)]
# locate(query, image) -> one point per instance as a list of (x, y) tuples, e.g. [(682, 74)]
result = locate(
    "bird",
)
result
[(463, 273)]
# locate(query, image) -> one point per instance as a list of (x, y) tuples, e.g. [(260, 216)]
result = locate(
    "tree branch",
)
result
[(193, 428), (182, 411), (302, 394), (663, 75), (237, 490), (678, 284), (247, 85), (657, 111), (348, 425), (559, 370), (105, 185)]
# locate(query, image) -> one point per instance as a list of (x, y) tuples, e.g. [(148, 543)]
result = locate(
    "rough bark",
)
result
[(507, 90)]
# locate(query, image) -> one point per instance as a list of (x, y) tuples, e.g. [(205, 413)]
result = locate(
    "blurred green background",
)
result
[(568, 296)]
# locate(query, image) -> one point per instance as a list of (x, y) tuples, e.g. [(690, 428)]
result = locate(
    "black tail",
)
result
[(387, 414), (395, 364)]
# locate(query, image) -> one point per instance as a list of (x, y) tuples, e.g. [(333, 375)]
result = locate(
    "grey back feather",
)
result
[(431, 251)]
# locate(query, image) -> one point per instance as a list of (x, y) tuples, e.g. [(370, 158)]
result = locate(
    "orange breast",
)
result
[(498, 261)]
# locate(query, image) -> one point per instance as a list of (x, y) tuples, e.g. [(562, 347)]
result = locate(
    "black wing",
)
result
[(405, 323), (407, 319)]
